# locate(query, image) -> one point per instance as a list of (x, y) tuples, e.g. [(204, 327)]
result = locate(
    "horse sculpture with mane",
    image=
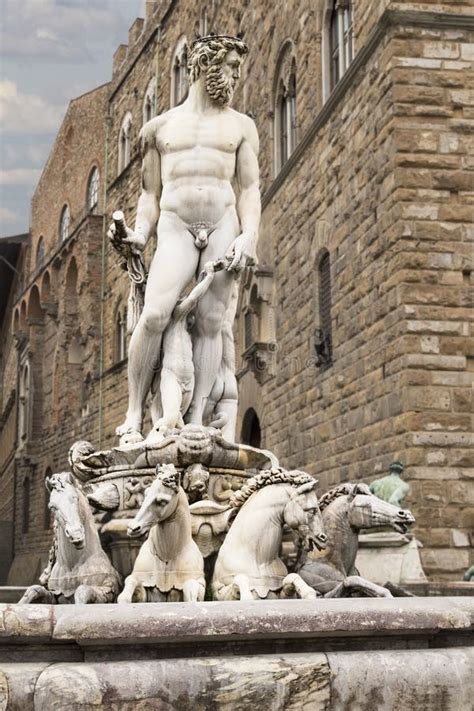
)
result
[(78, 570), (346, 509), (169, 566), (248, 565)]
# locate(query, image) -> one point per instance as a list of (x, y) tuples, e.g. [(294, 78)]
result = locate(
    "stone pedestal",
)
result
[(390, 557), (357, 654)]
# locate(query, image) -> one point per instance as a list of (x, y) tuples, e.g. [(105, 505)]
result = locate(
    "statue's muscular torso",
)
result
[(198, 161)]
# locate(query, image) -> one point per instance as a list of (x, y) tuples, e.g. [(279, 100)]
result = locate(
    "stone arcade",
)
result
[(250, 576)]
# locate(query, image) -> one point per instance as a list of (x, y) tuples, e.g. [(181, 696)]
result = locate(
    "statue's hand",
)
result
[(242, 252), (136, 241)]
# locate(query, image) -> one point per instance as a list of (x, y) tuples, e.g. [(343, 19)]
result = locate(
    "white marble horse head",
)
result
[(303, 516), (160, 501), (65, 504)]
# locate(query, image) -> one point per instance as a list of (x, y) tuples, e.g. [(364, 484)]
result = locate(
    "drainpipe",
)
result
[(108, 120), (157, 91)]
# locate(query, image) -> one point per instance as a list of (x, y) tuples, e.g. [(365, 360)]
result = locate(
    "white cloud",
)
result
[(7, 215), (19, 176), (26, 113)]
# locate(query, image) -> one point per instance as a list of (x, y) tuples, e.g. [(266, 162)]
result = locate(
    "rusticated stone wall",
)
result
[(55, 318)]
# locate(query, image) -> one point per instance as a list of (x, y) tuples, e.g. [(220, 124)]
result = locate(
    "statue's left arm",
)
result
[(244, 248)]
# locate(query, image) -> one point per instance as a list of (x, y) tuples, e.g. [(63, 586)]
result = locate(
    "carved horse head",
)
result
[(365, 510), (303, 516), (160, 501), (65, 504)]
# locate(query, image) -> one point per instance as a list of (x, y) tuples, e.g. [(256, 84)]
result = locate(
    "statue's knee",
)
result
[(155, 320)]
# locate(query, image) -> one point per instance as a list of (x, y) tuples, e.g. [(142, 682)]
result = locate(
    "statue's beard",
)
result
[(219, 88)]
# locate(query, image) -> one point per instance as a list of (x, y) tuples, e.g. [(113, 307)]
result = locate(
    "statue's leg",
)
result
[(354, 583), (193, 591), (128, 590), (227, 410), (85, 594), (156, 410), (294, 584), (242, 584), (37, 594), (171, 399), (172, 269), (210, 317), (88, 594)]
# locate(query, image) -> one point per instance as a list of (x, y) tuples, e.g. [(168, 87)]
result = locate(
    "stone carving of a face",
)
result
[(221, 79), (217, 61)]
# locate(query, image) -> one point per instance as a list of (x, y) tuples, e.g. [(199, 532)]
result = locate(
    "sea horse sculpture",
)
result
[(346, 509), (169, 566), (78, 570), (248, 565)]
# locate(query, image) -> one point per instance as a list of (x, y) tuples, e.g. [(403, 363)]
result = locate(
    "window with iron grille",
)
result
[(324, 274)]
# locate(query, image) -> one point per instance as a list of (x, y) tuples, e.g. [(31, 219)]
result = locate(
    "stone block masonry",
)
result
[(271, 655)]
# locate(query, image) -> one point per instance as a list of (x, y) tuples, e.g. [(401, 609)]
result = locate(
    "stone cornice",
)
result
[(390, 18)]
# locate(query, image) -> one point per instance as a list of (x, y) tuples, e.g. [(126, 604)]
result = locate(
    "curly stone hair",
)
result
[(266, 478), (346, 489), (211, 51)]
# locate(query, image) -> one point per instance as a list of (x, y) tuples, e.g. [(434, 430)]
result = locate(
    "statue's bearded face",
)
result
[(222, 78)]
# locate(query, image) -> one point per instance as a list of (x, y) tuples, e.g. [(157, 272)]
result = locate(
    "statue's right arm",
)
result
[(147, 208)]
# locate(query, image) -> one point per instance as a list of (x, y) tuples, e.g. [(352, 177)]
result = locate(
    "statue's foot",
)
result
[(129, 434), (156, 435)]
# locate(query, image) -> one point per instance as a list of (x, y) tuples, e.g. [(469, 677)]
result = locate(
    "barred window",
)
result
[(149, 104), (40, 254), (338, 50), (325, 321), (93, 191), (179, 73), (124, 152), (64, 224), (285, 111)]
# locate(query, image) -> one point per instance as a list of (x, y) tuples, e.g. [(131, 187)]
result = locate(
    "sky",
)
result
[(50, 52)]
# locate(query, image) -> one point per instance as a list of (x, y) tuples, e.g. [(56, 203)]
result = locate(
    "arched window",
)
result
[(251, 431), (64, 224), (93, 191), (25, 519), (47, 519), (179, 73), (40, 254), (124, 153), (337, 43), (285, 128), (120, 334), (323, 336), (149, 103)]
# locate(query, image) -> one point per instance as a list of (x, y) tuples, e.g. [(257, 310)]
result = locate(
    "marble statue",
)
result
[(248, 565), (78, 570), (211, 511), (176, 376), (169, 566), (346, 510), (193, 155), (391, 488)]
